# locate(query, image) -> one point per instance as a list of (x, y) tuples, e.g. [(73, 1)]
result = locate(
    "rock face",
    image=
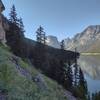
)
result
[(84, 40), (2, 32), (3, 24), (53, 42)]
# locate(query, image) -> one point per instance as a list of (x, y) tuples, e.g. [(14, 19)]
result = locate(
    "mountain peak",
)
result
[(92, 29), (53, 41), (85, 39)]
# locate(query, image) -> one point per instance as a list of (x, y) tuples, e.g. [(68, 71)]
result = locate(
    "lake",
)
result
[(91, 68)]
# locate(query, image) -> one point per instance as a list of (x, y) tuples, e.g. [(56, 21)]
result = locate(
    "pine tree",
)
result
[(68, 80), (62, 73), (81, 77), (70, 75), (16, 32), (62, 45), (76, 71), (76, 75), (41, 37), (40, 49), (82, 84), (13, 16), (21, 26)]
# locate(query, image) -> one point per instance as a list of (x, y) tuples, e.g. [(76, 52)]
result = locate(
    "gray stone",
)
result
[(39, 80), (3, 24)]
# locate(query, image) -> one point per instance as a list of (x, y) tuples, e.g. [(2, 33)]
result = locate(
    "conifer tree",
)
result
[(81, 78), (21, 26), (62, 45), (68, 81), (63, 73), (16, 33), (83, 84), (13, 15), (41, 37), (76, 75), (76, 70)]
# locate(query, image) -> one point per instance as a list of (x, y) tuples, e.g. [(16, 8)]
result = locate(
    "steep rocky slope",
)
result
[(86, 40), (21, 81), (95, 47)]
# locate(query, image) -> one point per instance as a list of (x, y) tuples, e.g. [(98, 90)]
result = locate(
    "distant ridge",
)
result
[(86, 41)]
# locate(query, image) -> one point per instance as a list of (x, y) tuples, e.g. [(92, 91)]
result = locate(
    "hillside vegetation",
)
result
[(21, 81)]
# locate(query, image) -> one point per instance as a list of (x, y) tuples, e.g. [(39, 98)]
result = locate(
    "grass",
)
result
[(19, 87)]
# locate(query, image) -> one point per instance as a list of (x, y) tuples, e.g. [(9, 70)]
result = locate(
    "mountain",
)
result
[(85, 41), (95, 47), (19, 80), (53, 42)]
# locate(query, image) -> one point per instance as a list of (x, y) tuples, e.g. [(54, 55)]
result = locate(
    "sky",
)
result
[(61, 18)]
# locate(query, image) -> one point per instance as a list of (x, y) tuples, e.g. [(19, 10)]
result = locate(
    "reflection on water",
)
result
[(91, 68)]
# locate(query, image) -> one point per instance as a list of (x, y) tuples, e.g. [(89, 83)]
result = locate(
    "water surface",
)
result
[(91, 68)]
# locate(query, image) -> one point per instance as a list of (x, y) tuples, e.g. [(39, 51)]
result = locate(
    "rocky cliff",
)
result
[(53, 42), (85, 40), (3, 24)]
